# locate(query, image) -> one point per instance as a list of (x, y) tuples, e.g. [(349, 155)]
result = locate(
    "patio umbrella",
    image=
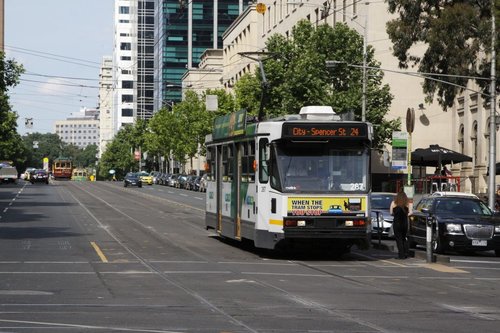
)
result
[(436, 156)]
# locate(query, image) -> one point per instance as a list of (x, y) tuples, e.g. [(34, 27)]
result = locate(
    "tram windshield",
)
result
[(319, 167)]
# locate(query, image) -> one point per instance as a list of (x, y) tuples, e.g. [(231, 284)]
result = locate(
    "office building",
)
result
[(81, 129), (185, 30)]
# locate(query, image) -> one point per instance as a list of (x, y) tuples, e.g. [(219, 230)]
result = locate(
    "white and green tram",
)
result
[(299, 177)]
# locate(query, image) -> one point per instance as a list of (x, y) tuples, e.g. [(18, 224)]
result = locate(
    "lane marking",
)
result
[(99, 252), (444, 268), (106, 328)]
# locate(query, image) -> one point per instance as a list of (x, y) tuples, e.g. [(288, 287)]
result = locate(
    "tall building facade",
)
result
[(144, 53), (106, 115), (123, 65), (185, 29)]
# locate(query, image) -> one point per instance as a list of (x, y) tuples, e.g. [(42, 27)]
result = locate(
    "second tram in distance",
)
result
[(299, 177)]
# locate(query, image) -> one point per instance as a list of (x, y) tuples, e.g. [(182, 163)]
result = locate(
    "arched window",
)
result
[(474, 141), (461, 138)]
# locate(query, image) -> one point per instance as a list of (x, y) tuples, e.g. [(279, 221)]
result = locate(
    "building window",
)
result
[(127, 113), (128, 84), (127, 98), (126, 46), (124, 10)]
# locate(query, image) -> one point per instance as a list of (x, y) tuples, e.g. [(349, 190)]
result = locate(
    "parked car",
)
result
[(155, 175), (203, 183), (459, 223), (39, 176), (146, 178), (380, 204), (163, 179), (190, 183), (181, 181), (172, 180), (132, 179)]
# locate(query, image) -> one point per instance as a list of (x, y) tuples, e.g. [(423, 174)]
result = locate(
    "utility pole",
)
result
[(493, 123)]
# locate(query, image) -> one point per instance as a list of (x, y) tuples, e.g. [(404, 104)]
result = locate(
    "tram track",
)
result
[(293, 297), (279, 290)]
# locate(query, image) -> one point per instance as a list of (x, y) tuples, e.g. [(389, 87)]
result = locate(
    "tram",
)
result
[(298, 177), (79, 174), (62, 168)]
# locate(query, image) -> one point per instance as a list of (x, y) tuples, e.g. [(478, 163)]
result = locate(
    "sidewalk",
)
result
[(420, 253)]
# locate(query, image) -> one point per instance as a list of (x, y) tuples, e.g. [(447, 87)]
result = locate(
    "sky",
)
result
[(60, 43)]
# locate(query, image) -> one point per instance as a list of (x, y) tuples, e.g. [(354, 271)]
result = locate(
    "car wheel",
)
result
[(437, 245), (139, 185), (497, 253), (124, 184)]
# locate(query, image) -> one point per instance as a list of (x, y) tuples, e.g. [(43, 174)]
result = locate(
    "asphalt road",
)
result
[(97, 257)]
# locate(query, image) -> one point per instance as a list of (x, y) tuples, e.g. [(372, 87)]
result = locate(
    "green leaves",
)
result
[(11, 147), (298, 76), (456, 34)]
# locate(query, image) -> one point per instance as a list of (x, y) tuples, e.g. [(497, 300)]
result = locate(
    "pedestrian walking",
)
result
[(400, 224)]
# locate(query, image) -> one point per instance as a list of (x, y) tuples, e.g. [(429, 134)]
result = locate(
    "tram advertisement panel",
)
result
[(325, 206)]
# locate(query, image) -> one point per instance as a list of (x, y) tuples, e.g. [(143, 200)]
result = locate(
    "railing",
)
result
[(432, 184)]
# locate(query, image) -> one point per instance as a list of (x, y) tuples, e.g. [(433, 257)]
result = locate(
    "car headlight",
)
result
[(380, 217), (454, 228), (497, 229)]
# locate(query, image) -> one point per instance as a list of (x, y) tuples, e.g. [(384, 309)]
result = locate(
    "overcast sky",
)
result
[(56, 41)]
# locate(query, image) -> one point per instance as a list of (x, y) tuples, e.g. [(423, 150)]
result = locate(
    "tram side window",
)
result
[(263, 158), (210, 168), (247, 162), (227, 163)]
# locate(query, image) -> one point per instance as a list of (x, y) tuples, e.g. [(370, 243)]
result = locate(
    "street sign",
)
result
[(399, 150)]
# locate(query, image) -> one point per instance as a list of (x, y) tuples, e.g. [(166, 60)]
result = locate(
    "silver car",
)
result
[(381, 216)]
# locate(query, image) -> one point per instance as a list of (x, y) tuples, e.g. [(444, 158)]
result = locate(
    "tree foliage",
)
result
[(181, 132), (51, 146), (297, 75), (119, 153), (457, 34), (11, 147)]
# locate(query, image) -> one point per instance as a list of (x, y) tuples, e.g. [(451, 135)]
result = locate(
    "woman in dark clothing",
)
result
[(400, 224)]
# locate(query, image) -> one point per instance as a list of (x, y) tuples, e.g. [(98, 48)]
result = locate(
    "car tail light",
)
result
[(290, 223)]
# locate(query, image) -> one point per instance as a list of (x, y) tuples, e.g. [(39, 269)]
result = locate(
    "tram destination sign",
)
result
[(324, 130)]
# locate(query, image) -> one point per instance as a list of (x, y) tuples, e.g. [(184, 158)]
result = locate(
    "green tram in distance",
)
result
[(79, 174), (297, 177)]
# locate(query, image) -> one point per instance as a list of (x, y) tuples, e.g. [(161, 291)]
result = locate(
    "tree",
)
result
[(11, 147), (118, 155), (298, 76), (457, 34), (181, 132), (49, 145)]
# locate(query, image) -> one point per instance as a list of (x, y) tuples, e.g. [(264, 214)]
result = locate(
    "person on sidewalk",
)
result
[(400, 224)]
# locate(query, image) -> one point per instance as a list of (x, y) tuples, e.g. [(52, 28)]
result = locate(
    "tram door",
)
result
[(235, 189), (218, 178)]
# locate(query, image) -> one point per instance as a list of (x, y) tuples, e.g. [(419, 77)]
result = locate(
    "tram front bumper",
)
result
[(319, 227)]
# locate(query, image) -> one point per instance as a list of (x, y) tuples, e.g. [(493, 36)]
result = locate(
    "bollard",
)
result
[(430, 221)]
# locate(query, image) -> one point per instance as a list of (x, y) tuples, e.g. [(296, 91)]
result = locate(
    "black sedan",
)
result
[(459, 223), (39, 176), (132, 179)]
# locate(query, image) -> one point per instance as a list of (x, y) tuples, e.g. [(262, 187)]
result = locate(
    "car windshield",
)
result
[(131, 175), (381, 201), (461, 206)]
